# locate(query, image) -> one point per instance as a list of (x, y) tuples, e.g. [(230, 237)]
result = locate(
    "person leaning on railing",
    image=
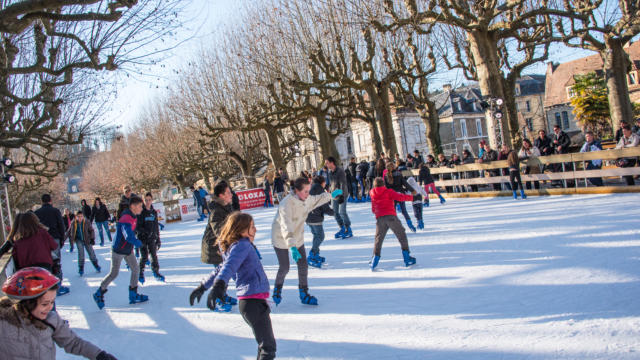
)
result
[(591, 144), (467, 158), (488, 156), (529, 151), (627, 140)]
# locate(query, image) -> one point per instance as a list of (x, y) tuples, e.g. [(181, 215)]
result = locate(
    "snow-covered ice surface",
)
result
[(544, 278)]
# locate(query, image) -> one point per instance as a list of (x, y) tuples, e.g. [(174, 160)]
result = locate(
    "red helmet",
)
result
[(29, 283)]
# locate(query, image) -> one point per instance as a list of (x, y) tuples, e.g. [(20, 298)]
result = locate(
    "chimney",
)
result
[(446, 87)]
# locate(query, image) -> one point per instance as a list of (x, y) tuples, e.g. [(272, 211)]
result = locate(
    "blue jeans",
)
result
[(403, 209), (318, 237), (362, 187), (199, 207), (341, 216), (105, 225)]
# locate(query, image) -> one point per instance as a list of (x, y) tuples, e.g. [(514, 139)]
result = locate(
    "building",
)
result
[(560, 79)]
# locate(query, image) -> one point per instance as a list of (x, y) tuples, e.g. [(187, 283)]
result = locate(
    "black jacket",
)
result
[(235, 201), (147, 229), (424, 175), (399, 183), (489, 156), (353, 168), (563, 140), (100, 214), (52, 218), (417, 161), (371, 173), (317, 215), (362, 169), (86, 211), (210, 250), (278, 185), (541, 144)]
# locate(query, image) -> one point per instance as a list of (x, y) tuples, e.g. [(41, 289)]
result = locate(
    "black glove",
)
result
[(196, 294), (217, 292), (105, 356), (340, 199)]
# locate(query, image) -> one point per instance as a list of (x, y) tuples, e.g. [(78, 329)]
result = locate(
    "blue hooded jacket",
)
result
[(125, 235), (241, 262)]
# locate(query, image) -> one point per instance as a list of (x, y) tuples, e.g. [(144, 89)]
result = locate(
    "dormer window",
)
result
[(633, 79), (570, 92), (517, 89)]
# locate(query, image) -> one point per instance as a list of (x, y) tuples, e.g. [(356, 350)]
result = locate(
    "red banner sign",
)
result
[(251, 198)]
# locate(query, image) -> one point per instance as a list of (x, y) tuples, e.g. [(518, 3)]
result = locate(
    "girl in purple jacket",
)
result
[(242, 262)]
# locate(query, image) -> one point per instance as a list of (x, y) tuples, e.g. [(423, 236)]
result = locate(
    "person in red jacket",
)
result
[(383, 207), (31, 242)]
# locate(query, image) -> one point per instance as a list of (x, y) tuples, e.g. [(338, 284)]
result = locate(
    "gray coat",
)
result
[(338, 180), (22, 339)]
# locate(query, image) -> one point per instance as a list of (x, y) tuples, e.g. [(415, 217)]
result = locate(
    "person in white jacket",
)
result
[(287, 233)]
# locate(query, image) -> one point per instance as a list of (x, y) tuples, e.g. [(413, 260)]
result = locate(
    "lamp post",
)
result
[(5, 209)]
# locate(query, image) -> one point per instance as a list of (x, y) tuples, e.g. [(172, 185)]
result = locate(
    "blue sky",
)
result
[(203, 18)]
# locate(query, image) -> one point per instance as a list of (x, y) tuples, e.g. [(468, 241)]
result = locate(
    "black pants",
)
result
[(149, 248), (417, 211), (513, 176), (255, 312)]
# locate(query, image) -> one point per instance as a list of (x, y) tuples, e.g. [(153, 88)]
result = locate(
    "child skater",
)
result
[(314, 220), (123, 249), (287, 233), (28, 327), (426, 180), (242, 263), (382, 206), (514, 174), (148, 232)]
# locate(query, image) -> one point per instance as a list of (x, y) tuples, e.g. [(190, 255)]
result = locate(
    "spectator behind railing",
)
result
[(431, 161), (529, 151), (627, 140), (444, 162), (591, 144), (502, 155), (490, 155), (467, 158), (455, 160)]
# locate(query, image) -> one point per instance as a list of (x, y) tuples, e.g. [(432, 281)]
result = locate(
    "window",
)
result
[(457, 106), (570, 92), (558, 120), (463, 127), (453, 129), (517, 106), (361, 142), (419, 134), (349, 146), (528, 106), (517, 90), (529, 124), (565, 120), (632, 78), (479, 126)]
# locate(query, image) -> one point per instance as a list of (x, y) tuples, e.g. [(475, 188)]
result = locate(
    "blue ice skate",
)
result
[(374, 262), (340, 234), (410, 225), (307, 299), (134, 297), (98, 297), (408, 260)]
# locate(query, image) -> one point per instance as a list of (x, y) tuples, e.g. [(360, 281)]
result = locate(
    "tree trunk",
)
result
[(274, 148), (325, 139), (510, 112), (616, 67), (246, 169), (375, 138), (485, 56), (429, 115), (379, 97)]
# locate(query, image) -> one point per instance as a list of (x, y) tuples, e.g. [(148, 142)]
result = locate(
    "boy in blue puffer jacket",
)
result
[(123, 249), (242, 263)]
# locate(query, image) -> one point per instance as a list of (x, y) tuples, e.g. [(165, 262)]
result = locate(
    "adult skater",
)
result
[(148, 232), (123, 249), (394, 180), (315, 220), (100, 214), (383, 207), (51, 217), (242, 262), (425, 179), (287, 233), (338, 180), (81, 233), (28, 327), (514, 174)]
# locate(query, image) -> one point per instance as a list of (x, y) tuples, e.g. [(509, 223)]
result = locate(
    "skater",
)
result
[(82, 234), (514, 174), (241, 262), (197, 202), (123, 249), (287, 232), (203, 200), (267, 192), (338, 180), (382, 206), (86, 211), (28, 327), (395, 181), (148, 232), (101, 216), (278, 187), (371, 175), (50, 217), (32, 244), (221, 207), (315, 220), (361, 176), (425, 179)]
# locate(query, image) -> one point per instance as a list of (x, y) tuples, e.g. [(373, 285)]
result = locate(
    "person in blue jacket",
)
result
[(197, 202), (123, 249), (242, 263)]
